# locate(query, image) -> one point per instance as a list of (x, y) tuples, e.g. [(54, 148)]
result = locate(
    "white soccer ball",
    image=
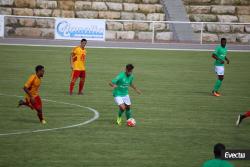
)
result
[(131, 122)]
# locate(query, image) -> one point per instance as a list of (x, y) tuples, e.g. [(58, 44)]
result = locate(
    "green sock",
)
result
[(120, 112), (217, 85), (128, 114)]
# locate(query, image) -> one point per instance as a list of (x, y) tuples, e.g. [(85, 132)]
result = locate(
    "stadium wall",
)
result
[(145, 10), (220, 11), (230, 11)]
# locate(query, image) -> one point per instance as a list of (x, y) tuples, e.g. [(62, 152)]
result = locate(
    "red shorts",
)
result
[(76, 74), (37, 105)]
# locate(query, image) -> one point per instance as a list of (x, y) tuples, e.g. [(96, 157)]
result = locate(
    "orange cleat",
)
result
[(217, 94)]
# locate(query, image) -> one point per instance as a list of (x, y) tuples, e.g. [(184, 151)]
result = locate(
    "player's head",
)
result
[(39, 70), (218, 149), (129, 69), (83, 42), (223, 42)]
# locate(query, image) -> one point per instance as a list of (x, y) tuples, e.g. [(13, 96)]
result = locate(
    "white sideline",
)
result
[(96, 116), (169, 49)]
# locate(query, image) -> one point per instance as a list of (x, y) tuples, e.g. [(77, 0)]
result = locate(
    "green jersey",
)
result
[(123, 82), (221, 53), (217, 163)]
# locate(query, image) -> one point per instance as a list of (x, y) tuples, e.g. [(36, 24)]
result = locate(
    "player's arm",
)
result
[(26, 90), (112, 85), (227, 59), (215, 53), (73, 57), (28, 85), (216, 58), (71, 60), (114, 81), (136, 89)]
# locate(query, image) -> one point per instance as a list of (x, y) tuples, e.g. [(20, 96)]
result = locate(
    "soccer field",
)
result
[(178, 121)]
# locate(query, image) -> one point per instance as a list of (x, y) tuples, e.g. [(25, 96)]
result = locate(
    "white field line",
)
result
[(95, 117), (100, 47)]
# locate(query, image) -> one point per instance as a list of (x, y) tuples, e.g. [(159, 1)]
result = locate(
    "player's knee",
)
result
[(221, 78), (127, 107), (122, 107)]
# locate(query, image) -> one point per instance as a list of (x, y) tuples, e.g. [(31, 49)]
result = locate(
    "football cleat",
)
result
[(20, 103), (43, 122), (239, 120), (217, 94), (119, 121)]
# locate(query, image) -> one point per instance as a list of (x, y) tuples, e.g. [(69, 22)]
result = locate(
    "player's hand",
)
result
[(114, 86), (71, 68), (228, 61), (138, 92)]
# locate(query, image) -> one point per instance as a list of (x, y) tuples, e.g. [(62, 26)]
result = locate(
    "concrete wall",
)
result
[(234, 11), (148, 10)]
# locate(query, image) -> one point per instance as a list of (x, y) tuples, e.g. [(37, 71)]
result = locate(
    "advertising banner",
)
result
[(75, 29), (1, 26)]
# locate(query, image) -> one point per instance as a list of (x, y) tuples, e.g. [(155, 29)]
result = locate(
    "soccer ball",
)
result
[(131, 122)]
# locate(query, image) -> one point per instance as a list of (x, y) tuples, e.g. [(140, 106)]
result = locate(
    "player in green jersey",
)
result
[(120, 85), (220, 56), (217, 161)]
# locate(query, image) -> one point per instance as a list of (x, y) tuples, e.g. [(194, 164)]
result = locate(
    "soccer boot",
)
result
[(43, 122), (119, 121), (239, 119), (20, 103), (217, 94)]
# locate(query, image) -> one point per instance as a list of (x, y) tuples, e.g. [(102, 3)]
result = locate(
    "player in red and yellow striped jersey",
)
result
[(31, 88), (77, 62)]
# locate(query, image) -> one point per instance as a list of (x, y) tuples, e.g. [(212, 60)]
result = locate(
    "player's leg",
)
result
[(127, 102), (74, 75), (218, 83), (128, 112), (82, 81), (241, 117), (40, 116), (25, 102), (247, 114), (122, 108), (21, 103), (38, 107), (220, 73)]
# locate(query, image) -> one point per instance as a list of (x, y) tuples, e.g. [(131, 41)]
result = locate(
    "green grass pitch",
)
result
[(178, 121)]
